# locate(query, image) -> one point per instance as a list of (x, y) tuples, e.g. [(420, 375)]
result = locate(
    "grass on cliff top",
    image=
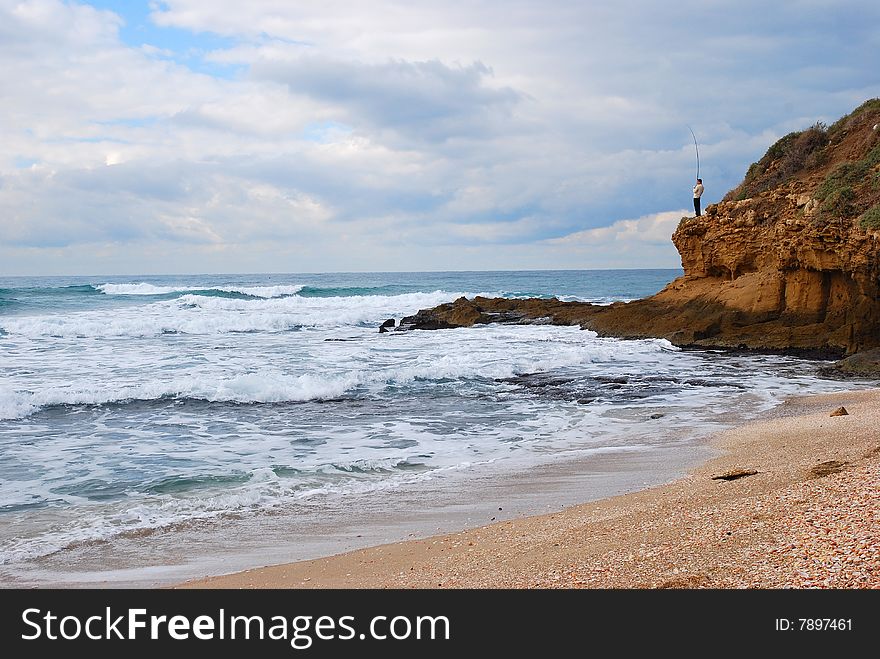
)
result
[(807, 150), (788, 156), (848, 121)]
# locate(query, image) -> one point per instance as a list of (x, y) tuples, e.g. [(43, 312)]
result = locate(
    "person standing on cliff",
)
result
[(698, 192)]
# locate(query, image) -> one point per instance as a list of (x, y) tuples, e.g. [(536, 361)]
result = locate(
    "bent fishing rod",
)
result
[(696, 148)]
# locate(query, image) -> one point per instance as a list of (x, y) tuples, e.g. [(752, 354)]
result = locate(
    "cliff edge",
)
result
[(787, 261)]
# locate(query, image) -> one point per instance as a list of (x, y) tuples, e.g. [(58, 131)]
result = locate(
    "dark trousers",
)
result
[(697, 206)]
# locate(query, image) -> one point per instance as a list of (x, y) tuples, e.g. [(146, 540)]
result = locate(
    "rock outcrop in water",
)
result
[(788, 261)]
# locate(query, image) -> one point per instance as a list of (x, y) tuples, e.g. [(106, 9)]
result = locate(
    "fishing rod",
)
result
[(697, 148)]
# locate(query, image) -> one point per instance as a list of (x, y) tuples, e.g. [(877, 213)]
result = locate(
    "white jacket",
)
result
[(698, 190)]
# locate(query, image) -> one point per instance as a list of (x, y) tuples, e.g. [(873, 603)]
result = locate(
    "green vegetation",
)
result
[(845, 175), (781, 147), (800, 153), (873, 157), (844, 185), (838, 205), (788, 156), (870, 219)]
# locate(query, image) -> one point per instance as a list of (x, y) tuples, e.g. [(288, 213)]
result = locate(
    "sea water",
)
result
[(137, 413)]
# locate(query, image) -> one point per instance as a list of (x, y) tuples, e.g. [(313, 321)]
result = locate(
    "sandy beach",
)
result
[(809, 516)]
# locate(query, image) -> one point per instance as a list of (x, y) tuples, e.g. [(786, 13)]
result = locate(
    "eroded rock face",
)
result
[(758, 274), (776, 278), (796, 266)]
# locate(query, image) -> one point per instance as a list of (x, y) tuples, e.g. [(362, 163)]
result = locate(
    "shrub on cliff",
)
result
[(870, 219), (838, 205), (801, 154), (845, 175), (873, 157), (784, 159), (851, 188)]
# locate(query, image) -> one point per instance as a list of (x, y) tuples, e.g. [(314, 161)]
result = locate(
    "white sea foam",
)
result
[(198, 314), (601, 301), (415, 404), (260, 387), (267, 385), (15, 405), (327, 310), (263, 291), (143, 288), (264, 491)]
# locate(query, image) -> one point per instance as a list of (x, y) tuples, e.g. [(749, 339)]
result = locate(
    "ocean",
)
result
[(157, 428)]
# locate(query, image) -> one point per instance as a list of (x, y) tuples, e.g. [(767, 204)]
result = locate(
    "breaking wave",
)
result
[(150, 289), (200, 315)]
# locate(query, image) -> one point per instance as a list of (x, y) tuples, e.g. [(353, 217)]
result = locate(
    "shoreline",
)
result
[(807, 518), (459, 502)]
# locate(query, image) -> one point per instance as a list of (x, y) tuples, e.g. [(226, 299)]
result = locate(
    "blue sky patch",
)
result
[(184, 47), (324, 132)]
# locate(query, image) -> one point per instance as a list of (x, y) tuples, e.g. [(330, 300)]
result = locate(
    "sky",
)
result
[(215, 136)]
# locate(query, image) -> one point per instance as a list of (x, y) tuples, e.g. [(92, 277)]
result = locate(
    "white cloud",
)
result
[(353, 135), (426, 100), (656, 229)]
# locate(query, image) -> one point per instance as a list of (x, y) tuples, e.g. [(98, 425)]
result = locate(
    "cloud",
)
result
[(655, 229), (50, 24), (426, 100), (343, 135), (132, 203)]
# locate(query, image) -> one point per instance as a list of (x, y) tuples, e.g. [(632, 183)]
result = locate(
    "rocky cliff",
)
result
[(790, 260)]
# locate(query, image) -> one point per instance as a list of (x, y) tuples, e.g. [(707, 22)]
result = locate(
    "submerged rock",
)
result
[(864, 364)]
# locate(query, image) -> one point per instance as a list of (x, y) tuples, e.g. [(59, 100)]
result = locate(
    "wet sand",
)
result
[(808, 517)]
